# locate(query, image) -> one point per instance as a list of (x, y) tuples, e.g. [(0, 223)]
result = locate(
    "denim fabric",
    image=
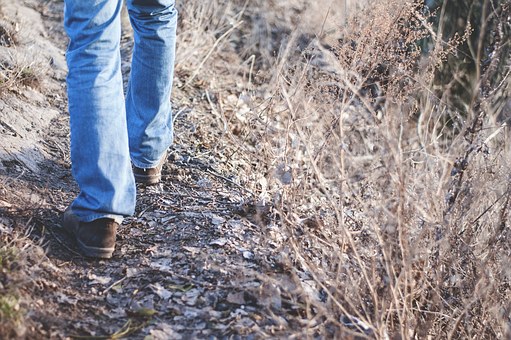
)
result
[(109, 132)]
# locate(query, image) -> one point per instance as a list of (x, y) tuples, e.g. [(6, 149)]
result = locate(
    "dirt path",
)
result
[(191, 263)]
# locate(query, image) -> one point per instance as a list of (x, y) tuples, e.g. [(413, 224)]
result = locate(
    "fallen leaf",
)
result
[(191, 296), (163, 265), (116, 313), (96, 279), (62, 298), (131, 272), (216, 220), (218, 242), (236, 298), (160, 291), (192, 250), (163, 331), (248, 255)]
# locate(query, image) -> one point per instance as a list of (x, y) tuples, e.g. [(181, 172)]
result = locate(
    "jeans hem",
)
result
[(90, 218), (148, 165)]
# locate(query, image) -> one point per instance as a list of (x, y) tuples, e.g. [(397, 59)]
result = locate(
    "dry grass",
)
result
[(18, 68), (16, 256), (395, 204)]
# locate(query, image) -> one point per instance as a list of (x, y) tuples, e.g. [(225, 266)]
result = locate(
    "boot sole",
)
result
[(148, 180), (88, 251)]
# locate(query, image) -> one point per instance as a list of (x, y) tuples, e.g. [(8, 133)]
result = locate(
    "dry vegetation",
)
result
[(385, 195), (394, 198), (19, 259), (18, 69)]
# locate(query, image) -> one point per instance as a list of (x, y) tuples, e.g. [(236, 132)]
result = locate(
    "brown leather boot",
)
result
[(94, 239), (149, 176)]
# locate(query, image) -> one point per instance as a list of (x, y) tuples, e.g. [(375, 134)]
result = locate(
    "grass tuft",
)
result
[(12, 315)]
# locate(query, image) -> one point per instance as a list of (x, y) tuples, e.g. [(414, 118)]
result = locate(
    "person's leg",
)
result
[(99, 138), (148, 107)]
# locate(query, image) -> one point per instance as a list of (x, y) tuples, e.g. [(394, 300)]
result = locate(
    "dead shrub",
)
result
[(12, 315), (394, 203), (6, 37), (18, 71), (17, 68)]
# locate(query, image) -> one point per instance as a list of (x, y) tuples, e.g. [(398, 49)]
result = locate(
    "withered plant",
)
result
[(394, 200)]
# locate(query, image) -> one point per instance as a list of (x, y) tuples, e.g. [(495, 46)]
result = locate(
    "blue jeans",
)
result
[(110, 131)]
